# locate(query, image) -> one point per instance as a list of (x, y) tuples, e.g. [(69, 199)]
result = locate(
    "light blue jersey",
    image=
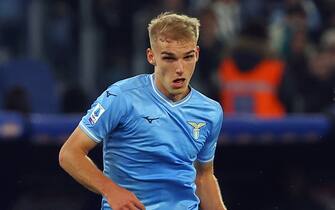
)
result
[(150, 142)]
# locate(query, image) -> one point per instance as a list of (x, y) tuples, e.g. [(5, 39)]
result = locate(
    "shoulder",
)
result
[(206, 102), (130, 84), (209, 109), (119, 92)]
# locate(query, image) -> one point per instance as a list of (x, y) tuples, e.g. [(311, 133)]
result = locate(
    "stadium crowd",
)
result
[(294, 38), (269, 58)]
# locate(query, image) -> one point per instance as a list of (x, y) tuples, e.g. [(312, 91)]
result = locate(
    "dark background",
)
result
[(257, 177), (56, 56)]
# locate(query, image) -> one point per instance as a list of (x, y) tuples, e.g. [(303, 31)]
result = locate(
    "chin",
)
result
[(178, 91)]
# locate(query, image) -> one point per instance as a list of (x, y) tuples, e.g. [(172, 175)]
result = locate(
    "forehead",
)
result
[(173, 45)]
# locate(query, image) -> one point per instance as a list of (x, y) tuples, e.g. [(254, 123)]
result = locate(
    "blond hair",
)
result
[(173, 26)]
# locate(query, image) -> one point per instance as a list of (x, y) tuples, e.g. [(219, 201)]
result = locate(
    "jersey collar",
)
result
[(163, 98)]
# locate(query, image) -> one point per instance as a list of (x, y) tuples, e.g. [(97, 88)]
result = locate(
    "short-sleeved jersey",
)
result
[(150, 143)]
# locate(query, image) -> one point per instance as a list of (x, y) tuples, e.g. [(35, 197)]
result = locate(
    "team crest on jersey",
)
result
[(98, 110), (196, 128)]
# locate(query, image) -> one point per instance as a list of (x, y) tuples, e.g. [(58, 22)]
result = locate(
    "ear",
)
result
[(197, 51), (151, 57)]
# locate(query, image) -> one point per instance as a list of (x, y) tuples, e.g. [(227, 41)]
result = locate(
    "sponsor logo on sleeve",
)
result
[(97, 111), (110, 94)]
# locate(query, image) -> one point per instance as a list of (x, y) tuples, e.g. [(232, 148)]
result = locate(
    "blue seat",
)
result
[(36, 79)]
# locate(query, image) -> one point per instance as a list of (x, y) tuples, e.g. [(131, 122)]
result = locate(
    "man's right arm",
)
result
[(74, 160)]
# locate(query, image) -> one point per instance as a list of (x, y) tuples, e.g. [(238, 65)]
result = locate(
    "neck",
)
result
[(177, 97)]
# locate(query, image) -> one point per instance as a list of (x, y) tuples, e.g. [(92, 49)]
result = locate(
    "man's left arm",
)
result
[(208, 189)]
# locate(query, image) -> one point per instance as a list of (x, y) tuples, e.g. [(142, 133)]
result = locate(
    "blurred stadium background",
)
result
[(56, 56)]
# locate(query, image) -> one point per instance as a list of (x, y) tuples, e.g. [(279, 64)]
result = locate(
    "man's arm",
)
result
[(208, 188), (74, 160)]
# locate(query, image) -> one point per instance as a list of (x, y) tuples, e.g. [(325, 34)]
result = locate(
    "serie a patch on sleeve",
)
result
[(97, 111)]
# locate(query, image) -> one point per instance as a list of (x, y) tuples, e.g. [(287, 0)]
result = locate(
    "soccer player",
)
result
[(159, 134)]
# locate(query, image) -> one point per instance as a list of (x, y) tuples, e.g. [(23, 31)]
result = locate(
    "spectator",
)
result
[(296, 49), (16, 99), (13, 15), (251, 79), (61, 42), (319, 94), (283, 33), (211, 48), (34, 90), (282, 15), (228, 13)]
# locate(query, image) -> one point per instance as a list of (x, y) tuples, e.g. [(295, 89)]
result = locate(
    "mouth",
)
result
[(178, 83)]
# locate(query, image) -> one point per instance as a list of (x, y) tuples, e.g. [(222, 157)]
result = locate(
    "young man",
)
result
[(159, 135)]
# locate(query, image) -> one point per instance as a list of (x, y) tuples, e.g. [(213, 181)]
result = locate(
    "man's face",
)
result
[(174, 63)]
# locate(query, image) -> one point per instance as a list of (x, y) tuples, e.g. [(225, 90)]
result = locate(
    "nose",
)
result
[(180, 67)]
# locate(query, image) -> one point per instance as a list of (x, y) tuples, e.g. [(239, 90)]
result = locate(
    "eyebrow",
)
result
[(172, 54)]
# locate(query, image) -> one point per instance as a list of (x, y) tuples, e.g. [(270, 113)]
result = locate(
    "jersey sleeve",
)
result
[(207, 153), (104, 115)]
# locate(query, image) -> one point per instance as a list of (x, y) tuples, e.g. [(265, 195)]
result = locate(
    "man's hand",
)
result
[(122, 199)]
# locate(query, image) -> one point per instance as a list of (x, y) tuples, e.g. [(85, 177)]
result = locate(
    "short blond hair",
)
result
[(174, 26)]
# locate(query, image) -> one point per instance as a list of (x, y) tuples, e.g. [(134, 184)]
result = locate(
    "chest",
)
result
[(177, 133)]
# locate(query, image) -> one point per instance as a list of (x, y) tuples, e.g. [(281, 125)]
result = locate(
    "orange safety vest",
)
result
[(254, 91)]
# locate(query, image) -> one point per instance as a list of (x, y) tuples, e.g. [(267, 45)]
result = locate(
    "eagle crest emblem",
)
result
[(196, 128)]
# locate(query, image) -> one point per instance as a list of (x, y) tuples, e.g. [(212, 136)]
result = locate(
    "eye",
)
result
[(189, 57), (169, 58)]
